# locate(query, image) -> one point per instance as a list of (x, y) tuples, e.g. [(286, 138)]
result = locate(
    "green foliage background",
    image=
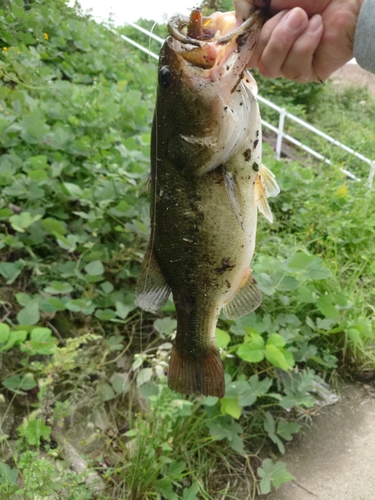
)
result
[(78, 359)]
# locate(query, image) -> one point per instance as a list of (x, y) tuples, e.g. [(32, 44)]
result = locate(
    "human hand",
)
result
[(305, 40)]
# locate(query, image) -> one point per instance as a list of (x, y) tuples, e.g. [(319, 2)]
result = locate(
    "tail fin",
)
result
[(196, 374)]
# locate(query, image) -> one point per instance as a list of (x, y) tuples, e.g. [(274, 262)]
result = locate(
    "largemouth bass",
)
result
[(207, 184)]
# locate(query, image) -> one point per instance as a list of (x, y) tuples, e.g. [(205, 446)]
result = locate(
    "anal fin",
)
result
[(247, 299), (152, 291)]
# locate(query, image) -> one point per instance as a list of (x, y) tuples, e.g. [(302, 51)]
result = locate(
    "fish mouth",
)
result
[(211, 42)]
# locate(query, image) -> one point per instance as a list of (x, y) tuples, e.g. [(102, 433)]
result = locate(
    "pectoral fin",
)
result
[(271, 187), (247, 298), (233, 195), (265, 186), (152, 290)]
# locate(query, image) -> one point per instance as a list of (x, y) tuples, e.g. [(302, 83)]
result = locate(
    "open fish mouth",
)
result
[(204, 84), (209, 42)]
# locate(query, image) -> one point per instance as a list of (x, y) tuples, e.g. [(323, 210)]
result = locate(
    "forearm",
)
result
[(364, 39)]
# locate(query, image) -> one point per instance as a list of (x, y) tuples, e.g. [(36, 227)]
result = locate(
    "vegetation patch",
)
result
[(84, 406)]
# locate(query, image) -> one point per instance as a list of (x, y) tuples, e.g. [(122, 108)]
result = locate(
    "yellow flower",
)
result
[(5, 48), (45, 36)]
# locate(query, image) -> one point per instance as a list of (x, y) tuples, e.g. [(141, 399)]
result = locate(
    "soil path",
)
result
[(335, 459), (354, 76)]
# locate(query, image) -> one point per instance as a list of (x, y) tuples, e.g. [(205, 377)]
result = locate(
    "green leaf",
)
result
[(122, 310), (16, 337), (276, 340), (165, 326), (52, 226), (52, 304), (224, 428), (16, 382), (287, 284), (8, 475), (23, 298), (72, 189), (5, 213), (230, 407), (256, 388), (10, 271), (281, 358), (58, 287), (191, 493), (67, 243), (120, 383), (312, 267), (80, 305), (144, 376), (324, 304), (164, 486), (34, 127), (38, 175), (29, 315), (222, 338), (23, 221), (34, 430), (296, 398), (269, 426), (94, 268), (4, 333), (272, 474), (287, 429), (176, 469), (106, 391), (253, 351), (105, 314), (41, 334), (107, 287), (38, 162)]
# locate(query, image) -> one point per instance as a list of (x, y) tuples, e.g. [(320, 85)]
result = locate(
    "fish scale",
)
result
[(207, 184)]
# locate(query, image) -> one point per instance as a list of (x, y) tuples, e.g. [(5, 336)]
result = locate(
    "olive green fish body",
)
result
[(206, 187)]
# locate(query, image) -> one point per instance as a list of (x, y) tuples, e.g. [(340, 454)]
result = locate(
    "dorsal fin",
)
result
[(152, 291), (247, 298)]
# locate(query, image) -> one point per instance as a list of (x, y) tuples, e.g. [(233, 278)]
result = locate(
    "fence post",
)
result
[(280, 133), (372, 173)]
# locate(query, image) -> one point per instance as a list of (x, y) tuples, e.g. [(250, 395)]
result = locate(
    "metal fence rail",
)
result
[(283, 115)]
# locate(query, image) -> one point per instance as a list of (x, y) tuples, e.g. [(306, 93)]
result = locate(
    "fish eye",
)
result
[(165, 77)]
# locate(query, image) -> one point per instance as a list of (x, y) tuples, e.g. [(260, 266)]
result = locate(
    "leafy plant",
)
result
[(75, 116)]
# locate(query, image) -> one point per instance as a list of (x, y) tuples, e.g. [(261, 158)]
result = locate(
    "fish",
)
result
[(207, 185)]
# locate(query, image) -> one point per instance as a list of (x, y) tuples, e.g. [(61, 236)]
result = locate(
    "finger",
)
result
[(281, 40), (307, 5), (298, 65), (264, 38), (243, 10)]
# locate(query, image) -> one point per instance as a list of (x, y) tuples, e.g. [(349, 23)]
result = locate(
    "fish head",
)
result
[(204, 91)]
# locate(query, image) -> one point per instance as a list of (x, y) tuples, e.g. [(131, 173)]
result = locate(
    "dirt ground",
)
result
[(335, 459), (354, 75)]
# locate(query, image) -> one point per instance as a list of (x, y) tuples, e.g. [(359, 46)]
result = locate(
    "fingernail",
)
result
[(314, 23), (294, 19)]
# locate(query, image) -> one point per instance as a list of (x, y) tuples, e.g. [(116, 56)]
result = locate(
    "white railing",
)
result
[(283, 114)]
